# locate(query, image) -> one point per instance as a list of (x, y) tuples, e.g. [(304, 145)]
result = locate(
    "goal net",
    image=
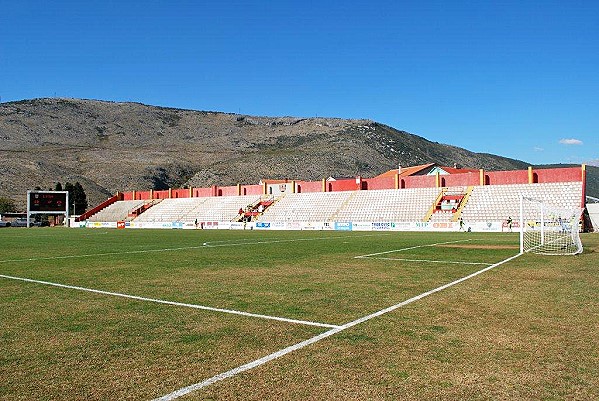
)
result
[(548, 229)]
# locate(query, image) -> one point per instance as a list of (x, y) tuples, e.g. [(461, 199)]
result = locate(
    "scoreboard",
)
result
[(47, 201)]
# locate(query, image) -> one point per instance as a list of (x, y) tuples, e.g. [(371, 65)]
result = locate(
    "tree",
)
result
[(7, 205), (58, 187), (77, 197)]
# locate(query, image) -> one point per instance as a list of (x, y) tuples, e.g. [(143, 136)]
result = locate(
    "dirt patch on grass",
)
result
[(475, 246)]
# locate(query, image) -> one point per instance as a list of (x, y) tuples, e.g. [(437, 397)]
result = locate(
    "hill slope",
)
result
[(111, 147)]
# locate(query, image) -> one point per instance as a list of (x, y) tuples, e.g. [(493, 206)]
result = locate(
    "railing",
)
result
[(96, 209), (463, 203)]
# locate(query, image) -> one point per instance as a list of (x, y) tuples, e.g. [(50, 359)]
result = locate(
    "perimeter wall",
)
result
[(530, 176)]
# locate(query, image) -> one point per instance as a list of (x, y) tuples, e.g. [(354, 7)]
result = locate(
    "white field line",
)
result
[(258, 362), (207, 245), (52, 235), (435, 261), (411, 247), (89, 255), (160, 301), (276, 241)]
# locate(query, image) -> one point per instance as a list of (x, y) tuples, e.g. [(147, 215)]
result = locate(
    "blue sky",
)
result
[(514, 78)]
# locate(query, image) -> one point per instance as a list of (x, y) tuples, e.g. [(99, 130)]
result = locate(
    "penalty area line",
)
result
[(411, 247), (173, 303), (258, 362), (435, 261)]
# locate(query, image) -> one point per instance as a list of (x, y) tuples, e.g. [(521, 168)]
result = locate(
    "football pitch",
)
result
[(293, 315)]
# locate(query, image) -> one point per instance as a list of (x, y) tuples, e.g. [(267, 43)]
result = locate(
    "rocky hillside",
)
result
[(593, 181), (111, 147)]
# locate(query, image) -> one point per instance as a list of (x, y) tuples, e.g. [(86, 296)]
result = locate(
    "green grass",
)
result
[(526, 329)]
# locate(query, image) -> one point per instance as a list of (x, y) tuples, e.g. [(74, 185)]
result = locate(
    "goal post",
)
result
[(548, 229)]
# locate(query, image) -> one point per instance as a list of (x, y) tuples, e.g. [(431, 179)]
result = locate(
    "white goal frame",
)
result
[(548, 229)]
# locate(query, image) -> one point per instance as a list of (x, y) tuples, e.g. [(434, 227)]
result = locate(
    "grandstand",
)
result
[(410, 199), (494, 203), (118, 211), (387, 205), (187, 210), (309, 207)]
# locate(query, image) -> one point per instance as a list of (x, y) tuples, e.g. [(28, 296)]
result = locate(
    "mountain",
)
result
[(592, 177), (593, 181), (110, 147)]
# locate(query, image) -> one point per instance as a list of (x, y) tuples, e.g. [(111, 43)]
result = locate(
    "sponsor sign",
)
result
[(382, 226), (149, 224), (310, 226), (480, 226), (361, 226), (237, 226), (514, 225), (278, 225), (441, 226), (491, 226), (293, 226), (343, 225), (403, 226), (102, 224)]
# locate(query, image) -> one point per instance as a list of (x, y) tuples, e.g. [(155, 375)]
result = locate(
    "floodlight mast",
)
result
[(67, 212), (28, 208)]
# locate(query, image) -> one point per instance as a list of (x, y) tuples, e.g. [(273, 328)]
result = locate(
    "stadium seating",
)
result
[(388, 205), (170, 210), (498, 202), (118, 211), (221, 208), (314, 206), (485, 204)]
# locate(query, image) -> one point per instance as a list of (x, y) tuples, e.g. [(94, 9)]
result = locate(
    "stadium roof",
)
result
[(422, 169), (425, 169), (269, 181)]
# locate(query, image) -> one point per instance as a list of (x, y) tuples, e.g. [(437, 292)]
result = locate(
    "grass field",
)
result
[(125, 314)]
